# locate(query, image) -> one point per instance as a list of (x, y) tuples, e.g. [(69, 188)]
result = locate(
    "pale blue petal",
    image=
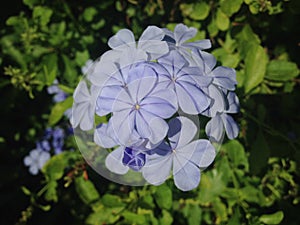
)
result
[(173, 62), (123, 38), (191, 99), (157, 127), (87, 120), (102, 138), (113, 161), (155, 49), (204, 153), (215, 129), (142, 70), (205, 61), (157, 168), (231, 127), (122, 126), (224, 77), (218, 101), (140, 88), (130, 56), (33, 169), (182, 33), (43, 158), (161, 103), (102, 72), (27, 161), (81, 93), (152, 33), (187, 178), (194, 76), (233, 102), (202, 44), (181, 131)]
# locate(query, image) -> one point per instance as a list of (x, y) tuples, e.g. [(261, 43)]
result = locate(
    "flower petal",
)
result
[(113, 161), (224, 77), (102, 138), (157, 168), (81, 93), (187, 178), (181, 131), (139, 89), (231, 127), (152, 33), (218, 101), (122, 125), (191, 99), (204, 153), (202, 44), (233, 102), (215, 128), (182, 33), (123, 38), (151, 127)]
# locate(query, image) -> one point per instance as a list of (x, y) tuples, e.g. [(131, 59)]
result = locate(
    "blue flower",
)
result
[(181, 155), (186, 81), (43, 145), (60, 95), (222, 121), (122, 158), (181, 35), (84, 106), (36, 160), (58, 140), (150, 43), (142, 106)]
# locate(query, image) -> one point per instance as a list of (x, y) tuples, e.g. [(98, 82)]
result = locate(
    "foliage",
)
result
[(254, 180)]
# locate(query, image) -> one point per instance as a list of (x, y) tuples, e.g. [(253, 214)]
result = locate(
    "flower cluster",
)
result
[(148, 89)]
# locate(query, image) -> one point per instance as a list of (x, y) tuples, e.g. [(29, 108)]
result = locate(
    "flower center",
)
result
[(137, 106)]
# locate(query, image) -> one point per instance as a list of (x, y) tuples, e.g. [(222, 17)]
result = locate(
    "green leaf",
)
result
[(55, 166), (43, 14), (50, 67), (109, 200), (166, 218), (255, 67), (58, 110), (82, 57), (230, 7), (70, 73), (104, 216), (89, 13), (192, 213), (196, 11), (236, 154), (274, 218), (133, 218), (86, 190), (213, 28), (51, 193), (220, 210), (279, 70), (222, 20), (163, 196), (30, 3), (26, 191)]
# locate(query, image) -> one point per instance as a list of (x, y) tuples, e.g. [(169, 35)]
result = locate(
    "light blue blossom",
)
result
[(142, 106), (182, 155), (59, 95), (84, 106), (186, 81), (36, 160), (222, 121)]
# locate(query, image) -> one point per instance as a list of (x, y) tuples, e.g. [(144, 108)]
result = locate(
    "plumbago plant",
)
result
[(161, 101), (140, 85)]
